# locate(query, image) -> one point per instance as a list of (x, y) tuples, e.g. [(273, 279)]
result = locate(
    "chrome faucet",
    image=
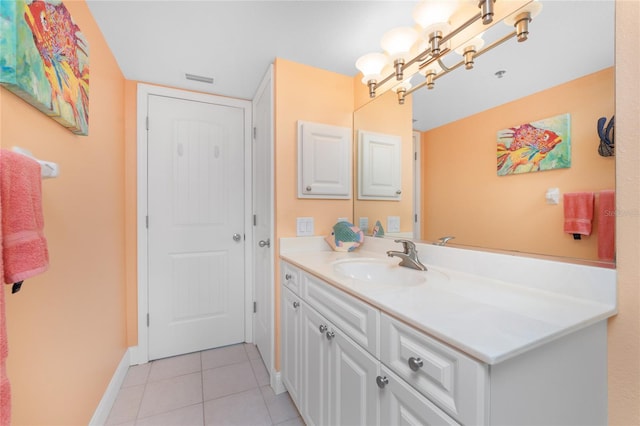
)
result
[(443, 240), (409, 256)]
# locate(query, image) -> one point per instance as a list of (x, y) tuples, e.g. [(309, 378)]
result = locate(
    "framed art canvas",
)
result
[(44, 59), (531, 147)]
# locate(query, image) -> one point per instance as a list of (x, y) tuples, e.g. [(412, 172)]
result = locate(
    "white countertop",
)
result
[(488, 319)]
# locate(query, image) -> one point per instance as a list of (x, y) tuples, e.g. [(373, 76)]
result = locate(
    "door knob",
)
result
[(237, 237), (382, 381), (263, 243), (415, 363), (330, 335), (296, 305), (322, 328)]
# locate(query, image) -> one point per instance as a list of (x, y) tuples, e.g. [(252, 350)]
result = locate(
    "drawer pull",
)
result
[(287, 277), (322, 328), (382, 381), (330, 335), (415, 363), (295, 305)]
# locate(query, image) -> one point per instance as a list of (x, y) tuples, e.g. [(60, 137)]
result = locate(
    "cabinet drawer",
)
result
[(358, 320), (400, 404), (452, 380), (290, 276)]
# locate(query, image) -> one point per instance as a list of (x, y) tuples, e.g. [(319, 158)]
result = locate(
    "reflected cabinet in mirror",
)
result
[(473, 124)]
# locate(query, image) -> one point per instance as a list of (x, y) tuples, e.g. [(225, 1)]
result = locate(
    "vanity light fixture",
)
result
[(445, 26)]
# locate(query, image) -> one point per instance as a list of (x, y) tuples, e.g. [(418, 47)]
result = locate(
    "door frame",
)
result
[(140, 354), (267, 84)]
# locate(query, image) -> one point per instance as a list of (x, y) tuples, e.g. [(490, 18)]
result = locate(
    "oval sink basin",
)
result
[(378, 271)]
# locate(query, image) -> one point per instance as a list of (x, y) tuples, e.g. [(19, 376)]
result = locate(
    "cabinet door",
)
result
[(291, 351), (379, 166), (353, 393), (324, 161), (314, 391), (400, 404)]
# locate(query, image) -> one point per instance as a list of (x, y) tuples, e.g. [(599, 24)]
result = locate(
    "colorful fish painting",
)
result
[(535, 146), (44, 59)]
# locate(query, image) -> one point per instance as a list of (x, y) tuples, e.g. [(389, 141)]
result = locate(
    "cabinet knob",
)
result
[(296, 305), (322, 328), (398, 192), (415, 363), (382, 381), (330, 335), (309, 188), (287, 277)]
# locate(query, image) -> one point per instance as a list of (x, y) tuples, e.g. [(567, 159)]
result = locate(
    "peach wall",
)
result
[(66, 327), (386, 116), (310, 94), (624, 329), (463, 196)]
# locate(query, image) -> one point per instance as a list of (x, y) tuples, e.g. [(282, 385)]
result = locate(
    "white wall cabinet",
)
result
[(347, 363), (324, 161), (379, 166)]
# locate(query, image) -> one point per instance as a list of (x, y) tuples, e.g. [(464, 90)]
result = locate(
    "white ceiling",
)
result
[(158, 41)]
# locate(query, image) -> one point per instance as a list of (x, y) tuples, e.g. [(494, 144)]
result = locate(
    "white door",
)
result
[(263, 222), (417, 185), (196, 226), (314, 392)]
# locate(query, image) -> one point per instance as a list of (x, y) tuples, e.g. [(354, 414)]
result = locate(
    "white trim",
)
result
[(276, 383), (144, 90), (111, 393)]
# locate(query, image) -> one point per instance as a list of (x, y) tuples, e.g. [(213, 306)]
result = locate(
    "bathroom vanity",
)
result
[(367, 342)]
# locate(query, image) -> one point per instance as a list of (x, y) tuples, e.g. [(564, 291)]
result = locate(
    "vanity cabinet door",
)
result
[(353, 393), (400, 404), (291, 350), (314, 391)]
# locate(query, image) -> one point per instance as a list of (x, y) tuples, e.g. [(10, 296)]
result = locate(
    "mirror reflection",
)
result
[(454, 188)]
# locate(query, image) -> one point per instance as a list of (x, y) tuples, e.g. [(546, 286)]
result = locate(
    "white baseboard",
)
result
[(111, 393), (276, 383)]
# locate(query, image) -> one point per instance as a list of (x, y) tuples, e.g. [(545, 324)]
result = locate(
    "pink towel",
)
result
[(606, 225), (5, 388), (24, 246), (578, 212)]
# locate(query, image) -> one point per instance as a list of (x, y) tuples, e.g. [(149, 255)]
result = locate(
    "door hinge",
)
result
[(255, 220), (255, 307), (147, 320), (147, 122), (255, 132), (415, 218), (415, 156), (146, 219)]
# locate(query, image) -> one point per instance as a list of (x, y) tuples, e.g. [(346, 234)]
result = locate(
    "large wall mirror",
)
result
[(566, 67)]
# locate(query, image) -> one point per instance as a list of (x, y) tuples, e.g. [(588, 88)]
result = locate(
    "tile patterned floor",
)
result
[(224, 386)]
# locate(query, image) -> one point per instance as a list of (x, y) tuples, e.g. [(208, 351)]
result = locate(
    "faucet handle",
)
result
[(407, 244)]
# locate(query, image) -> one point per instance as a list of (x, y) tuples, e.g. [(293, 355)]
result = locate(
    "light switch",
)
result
[(363, 223), (304, 226), (343, 219), (393, 223)]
